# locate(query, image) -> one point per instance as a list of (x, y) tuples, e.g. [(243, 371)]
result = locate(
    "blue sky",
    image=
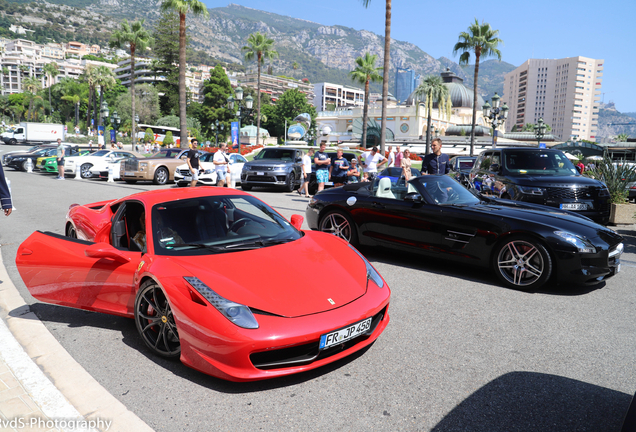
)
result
[(539, 29)]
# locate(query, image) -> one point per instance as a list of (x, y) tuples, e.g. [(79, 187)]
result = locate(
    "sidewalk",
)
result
[(42, 388)]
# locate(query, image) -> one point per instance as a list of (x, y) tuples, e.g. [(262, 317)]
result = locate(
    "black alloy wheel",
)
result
[(85, 170), (291, 182), (161, 176), (338, 223), (70, 231), (155, 321), (522, 262)]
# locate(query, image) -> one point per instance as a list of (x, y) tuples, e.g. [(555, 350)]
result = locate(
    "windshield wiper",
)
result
[(258, 243), (184, 246)]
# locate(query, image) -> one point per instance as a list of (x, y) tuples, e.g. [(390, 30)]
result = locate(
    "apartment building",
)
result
[(329, 97), (275, 86), (406, 81), (564, 92)]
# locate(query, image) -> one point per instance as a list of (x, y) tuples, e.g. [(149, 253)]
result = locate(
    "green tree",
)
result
[(259, 47), (385, 73), (287, 108), (51, 70), (149, 137), (5, 106), (216, 89), (31, 85), (168, 140), (166, 52), (364, 73), (483, 41), (89, 76), (137, 38), (621, 137), (433, 90), (147, 107), (182, 7), (104, 78)]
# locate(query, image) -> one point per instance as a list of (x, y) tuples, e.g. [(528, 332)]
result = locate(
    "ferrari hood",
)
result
[(314, 274)]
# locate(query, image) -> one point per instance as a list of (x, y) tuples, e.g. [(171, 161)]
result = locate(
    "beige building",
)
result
[(564, 92), (275, 86), (328, 96)]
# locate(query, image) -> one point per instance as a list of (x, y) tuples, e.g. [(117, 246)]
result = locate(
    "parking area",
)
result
[(461, 352)]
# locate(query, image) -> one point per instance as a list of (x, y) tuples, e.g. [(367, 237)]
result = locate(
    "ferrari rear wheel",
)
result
[(70, 231), (522, 262), (155, 321), (339, 224)]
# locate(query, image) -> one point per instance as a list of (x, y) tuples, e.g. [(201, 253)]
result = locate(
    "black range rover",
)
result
[(540, 176)]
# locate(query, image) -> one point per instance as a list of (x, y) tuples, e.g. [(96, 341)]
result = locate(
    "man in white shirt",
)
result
[(372, 161), (306, 167), (391, 162), (221, 162)]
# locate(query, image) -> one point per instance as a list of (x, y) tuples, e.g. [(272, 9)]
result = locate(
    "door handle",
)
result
[(378, 205)]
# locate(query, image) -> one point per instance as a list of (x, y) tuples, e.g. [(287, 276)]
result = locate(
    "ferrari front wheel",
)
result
[(70, 231), (339, 224), (522, 262), (155, 321)]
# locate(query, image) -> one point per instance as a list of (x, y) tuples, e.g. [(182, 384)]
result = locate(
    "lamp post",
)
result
[(115, 121), (103, 112), (539, 131), (495, 115), (133, 141), (215, 130), (244, 110)]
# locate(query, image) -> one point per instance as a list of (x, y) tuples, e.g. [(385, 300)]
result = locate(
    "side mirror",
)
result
[(495, 168), (413, 197), (104, 250), (297, 221)]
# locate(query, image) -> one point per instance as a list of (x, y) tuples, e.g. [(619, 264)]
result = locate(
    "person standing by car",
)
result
[(353, 175), (372, 161), (339, 169), (436, 162), (322, 161), (306, 167), (60, 159), (193, 162), (398, 157), (405, 164), (221, 164), (5, 196), (391, 158)]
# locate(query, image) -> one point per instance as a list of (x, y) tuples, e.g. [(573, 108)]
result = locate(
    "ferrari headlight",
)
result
[(239, 314), (371, 272), (582, 244), (531, 190)]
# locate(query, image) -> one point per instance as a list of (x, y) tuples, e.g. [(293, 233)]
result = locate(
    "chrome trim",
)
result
[(618, 250)]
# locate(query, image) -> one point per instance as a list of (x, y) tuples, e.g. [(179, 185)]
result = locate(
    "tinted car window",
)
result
[(169, 153), (552, 163), (280, 154)]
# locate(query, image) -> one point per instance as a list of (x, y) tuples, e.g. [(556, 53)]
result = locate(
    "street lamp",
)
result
[(133, 141), (215, 130), (103, 111), (495, 115), (115, 121), (539, 131), (244, 109)]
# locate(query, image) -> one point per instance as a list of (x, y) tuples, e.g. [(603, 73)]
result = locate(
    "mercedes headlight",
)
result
[(371, 272), (582, 244), (528, 190), (237, 313)]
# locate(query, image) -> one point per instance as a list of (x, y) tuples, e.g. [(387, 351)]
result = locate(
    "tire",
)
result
[(291, 182), (131, 181), (13, 141), (70, 231), (182, 184), (161, 176), (246, 188), (85, 170), (155, 321), (24, 166), (522, 262), (313, 188), (338, 223)]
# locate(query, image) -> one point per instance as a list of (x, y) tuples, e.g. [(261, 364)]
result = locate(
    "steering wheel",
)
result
[(240, 223)]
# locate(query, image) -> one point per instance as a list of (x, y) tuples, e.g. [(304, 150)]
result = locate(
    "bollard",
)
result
[(78, 170), (111, 174), (29, 165)]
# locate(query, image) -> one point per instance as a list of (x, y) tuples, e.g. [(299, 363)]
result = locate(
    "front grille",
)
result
[(257, 178), (184, 172), (131, 165), (308, 353), (570, 193)]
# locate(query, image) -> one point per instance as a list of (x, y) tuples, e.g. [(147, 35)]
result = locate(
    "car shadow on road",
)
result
[(629, 237), (468, 273), (530, 401), (78, 318)]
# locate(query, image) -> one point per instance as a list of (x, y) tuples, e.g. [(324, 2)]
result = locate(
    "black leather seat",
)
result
[(211, 223)]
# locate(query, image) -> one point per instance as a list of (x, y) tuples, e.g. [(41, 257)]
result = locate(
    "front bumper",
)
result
[(587, 269), (264, 178)]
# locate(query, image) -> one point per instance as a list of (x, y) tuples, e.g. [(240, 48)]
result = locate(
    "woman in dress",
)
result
[(406, 165)]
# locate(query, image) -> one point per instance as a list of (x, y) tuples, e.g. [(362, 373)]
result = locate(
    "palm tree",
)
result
[(137, 38), (31, 85), (89, 76), (483, 40), (259, 46), (385, 72), (433, 90), (621, 137), (51, 70), (105, 79), (75, 99), (183, 7), (365, 72)]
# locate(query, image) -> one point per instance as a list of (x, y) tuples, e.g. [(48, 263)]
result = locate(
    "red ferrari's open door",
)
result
[(79, 274)]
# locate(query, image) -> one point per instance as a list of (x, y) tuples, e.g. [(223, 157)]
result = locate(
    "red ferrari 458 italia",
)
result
[(215, 277)]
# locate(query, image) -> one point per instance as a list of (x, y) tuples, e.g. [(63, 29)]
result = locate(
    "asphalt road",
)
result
[(461, 352)]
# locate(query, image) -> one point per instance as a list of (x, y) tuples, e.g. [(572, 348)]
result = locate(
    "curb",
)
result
[(79, 392)]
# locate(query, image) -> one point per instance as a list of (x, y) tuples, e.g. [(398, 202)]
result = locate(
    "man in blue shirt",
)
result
[(339, 169), (436, 162)]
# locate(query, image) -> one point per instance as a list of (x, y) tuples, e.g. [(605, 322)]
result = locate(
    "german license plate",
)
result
[(260, 173), (574, 206), (128, 173), (340, 336), (187, 178)]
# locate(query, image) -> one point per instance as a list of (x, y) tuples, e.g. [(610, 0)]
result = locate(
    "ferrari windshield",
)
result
[(217, 224), (538, 163), (444, 190)]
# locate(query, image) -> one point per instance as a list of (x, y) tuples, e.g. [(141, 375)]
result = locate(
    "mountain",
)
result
[(609, 119), (323, 53)]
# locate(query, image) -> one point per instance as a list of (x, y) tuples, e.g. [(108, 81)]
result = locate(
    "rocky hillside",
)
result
[(609, 119)]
